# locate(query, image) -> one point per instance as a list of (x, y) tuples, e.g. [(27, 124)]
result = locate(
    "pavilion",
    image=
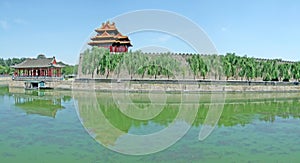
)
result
[(38, 67)]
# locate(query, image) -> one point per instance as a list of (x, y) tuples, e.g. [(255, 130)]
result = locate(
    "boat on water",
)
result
[(29, 85)]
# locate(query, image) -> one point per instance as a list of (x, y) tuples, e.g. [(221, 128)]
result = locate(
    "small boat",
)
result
[(36, 85)]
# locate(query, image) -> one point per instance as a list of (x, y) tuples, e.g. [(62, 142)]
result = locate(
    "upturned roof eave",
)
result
[(50, 66)]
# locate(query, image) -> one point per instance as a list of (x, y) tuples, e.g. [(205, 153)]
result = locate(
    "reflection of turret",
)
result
[(38, 102), (94, 120)]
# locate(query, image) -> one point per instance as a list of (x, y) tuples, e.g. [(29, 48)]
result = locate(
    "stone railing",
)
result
[(41, 78)]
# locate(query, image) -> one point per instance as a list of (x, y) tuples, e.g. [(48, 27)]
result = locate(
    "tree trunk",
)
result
[(143, 75), (107, 74)]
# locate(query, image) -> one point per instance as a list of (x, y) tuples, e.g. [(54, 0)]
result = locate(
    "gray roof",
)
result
[(37, 63)]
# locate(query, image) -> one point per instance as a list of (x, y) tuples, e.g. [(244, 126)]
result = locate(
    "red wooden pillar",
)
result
[(42, 72), (58, 72), (50, 72)]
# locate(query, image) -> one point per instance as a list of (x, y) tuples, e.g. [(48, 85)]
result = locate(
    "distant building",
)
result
[(109, 37), (39, 67)]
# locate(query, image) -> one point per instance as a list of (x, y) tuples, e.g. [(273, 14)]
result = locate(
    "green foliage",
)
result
[(101, 61), (110, 62), (198, 66), (134, 62), (92, 61), (69, 69), (5, 64), (2, 69), (41, 56), (295, 71)]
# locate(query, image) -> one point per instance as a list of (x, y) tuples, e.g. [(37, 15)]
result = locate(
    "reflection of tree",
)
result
[(39, 106), (106, 122), (245, 112), (93, 119), (38, 102), (3, 90), (141, 101)]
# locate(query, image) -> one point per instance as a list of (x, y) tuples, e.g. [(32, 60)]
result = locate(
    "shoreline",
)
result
[(168, 86)]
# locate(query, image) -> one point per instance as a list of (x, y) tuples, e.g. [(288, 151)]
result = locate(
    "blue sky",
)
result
[(265, 29)]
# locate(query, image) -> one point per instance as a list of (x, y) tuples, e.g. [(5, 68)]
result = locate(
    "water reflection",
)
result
[(242, 109), (103, 119), (107, 123), (39, 102), (3, 90)]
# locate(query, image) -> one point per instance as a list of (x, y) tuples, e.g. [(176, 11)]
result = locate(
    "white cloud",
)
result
[(4, 24)]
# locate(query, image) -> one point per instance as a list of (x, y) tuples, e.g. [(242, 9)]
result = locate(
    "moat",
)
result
[(66, 126)]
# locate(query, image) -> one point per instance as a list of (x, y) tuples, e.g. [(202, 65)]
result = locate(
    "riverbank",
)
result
[(4, 80), (165, 85)]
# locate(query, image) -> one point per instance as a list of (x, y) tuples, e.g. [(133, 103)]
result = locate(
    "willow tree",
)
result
[(86, 67), (203, 67), (274, 71), (227, 68), (154, 67), (231, 60), (135, 62), (295, 70), (215, 66), (109, 62), (143, 64), (250, 69), (284, 72), (193, 63), (169, 65)]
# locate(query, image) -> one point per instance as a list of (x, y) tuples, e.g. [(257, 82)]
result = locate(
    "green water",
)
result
[(52, 127)]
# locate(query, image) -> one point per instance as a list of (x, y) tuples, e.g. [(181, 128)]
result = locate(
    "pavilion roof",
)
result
[(107, 27), (38, 63), (106, 36)]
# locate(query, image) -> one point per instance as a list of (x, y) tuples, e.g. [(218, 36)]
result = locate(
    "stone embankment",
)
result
[(167, 85)]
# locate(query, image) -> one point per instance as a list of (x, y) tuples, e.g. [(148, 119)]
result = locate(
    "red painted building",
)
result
[(109, 37), (40, 67)]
